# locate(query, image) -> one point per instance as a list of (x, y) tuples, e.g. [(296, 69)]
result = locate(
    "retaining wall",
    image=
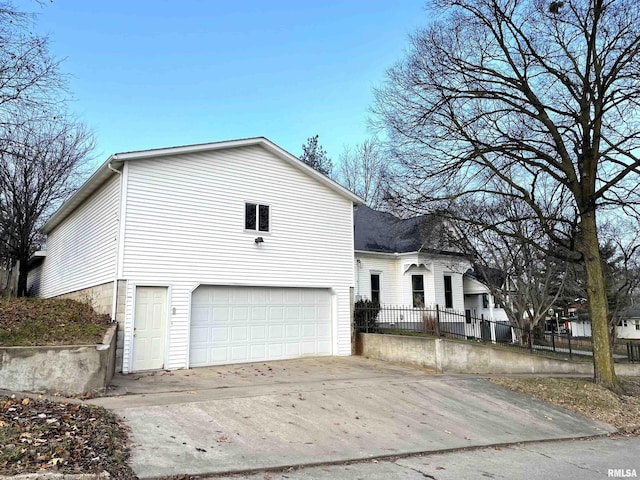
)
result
[(452, 356), (69, 370)]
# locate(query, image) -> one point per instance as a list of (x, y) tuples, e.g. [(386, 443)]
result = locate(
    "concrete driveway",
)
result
[(319, 410)]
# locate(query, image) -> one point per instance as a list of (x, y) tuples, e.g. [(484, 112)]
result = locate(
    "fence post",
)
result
[(530, 338), (437, 320), (569, 340), (553, 340)]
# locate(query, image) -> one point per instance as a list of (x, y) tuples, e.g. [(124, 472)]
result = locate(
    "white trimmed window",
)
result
[(256, 217)]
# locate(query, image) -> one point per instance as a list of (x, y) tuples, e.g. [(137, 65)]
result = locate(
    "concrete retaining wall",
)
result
[(451, 356), (100, 297), (68, 370)]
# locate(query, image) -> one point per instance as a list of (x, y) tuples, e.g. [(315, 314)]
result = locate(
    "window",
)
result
[(256, 217), (448, 292), (375, 287), (637, 324), (485, 299), (417, 288), (624, 323)]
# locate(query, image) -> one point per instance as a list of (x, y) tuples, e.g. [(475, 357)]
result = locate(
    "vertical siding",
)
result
[(185, 227), (81, 250)]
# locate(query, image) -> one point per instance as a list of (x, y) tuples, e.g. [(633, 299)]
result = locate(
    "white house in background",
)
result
[(208, 254), (479, 301), (629, 324), (404, 262)]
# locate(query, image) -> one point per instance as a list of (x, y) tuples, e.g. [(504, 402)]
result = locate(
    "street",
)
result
[(591, 459)]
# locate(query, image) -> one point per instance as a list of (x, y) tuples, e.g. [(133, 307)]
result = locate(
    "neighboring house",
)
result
[(208, 254), (397, 264), (629, 324), (408, 263), (479, 302)]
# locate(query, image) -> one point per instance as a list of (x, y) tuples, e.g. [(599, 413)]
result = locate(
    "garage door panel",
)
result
[(239, 334), (243, 324), (258, 332), (292, 331), (276, 332)]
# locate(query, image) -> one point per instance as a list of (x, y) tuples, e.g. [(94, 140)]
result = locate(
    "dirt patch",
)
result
[(37, 435), (38, 321), (586, 398)]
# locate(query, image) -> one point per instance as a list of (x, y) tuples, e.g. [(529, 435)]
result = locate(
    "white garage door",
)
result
[(250, 324)]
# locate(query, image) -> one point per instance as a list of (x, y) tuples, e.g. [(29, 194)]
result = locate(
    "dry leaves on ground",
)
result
[(586, 398), (39, 435)]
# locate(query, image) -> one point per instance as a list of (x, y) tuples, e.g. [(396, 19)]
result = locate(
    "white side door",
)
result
[(149, 328)]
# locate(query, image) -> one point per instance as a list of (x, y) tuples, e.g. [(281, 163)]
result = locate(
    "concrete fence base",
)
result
[(68, 370), (455, 356)]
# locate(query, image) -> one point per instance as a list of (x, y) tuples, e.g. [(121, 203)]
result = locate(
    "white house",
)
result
[(480, 302), (408, 263), (395, 264), (629, 325), (208, 254)]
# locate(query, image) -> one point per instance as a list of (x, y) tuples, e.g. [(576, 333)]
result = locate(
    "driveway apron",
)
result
[(320, 410)]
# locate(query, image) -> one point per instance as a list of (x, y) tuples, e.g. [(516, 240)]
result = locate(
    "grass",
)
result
[(586, 398), (37, 321)]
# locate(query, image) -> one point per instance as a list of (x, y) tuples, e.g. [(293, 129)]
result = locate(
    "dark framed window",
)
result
[(448, 292), (417, 288), (485, 300), (637, 325), (256, 217), (375, 287)]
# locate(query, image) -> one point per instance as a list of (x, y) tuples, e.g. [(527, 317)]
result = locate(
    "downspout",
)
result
[(114, 299)]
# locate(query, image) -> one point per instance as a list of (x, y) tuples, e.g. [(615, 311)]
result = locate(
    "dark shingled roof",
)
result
[(632, 311), (377, 231)]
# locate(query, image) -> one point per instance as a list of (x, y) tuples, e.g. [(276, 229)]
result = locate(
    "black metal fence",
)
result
[(448, 323), (633, 352)]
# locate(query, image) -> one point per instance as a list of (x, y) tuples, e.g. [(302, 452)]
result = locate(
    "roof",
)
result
[(492, 277), (115, 162), (376, 231), (632, 311)]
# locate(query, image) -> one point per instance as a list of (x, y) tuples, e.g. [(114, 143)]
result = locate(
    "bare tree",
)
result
[(314, 155), (364, 170), (29, 76), (531, 100), (524, 280), (41, 146), (40, 165)]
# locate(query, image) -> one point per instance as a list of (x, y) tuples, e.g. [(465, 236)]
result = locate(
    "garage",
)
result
[(233, 324)]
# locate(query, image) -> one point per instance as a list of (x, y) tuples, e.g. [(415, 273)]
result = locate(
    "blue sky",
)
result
[(150, 74)]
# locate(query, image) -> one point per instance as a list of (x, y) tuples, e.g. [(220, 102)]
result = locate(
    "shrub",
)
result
[(365, 315), (430, 324)]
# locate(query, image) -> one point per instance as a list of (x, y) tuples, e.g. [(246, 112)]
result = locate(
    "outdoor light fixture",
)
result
[(259, 240)]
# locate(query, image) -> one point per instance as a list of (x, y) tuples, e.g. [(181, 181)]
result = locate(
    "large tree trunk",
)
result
[(604, 371)]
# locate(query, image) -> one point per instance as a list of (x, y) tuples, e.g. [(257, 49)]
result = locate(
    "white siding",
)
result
[(630, 331), (81, 250), (33, 281), (185, 227), (388, 268), (454, 268)]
